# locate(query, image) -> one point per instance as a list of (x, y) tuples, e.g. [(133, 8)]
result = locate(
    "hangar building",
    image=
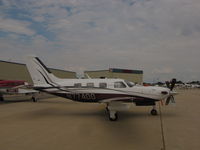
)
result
[(135, 76), (18, 71)]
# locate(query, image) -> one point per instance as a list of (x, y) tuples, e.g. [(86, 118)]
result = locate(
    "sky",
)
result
[(160, 37)]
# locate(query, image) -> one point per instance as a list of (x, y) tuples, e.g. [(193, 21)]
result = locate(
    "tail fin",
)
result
[(40, 74)]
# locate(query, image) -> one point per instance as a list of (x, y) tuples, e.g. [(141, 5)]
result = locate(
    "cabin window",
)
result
[(130, 84), (119, 85), (103, 85), (77, 85), (90, 85)]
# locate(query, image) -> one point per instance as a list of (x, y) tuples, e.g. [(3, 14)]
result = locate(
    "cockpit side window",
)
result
[(119, 85), (130, 84)]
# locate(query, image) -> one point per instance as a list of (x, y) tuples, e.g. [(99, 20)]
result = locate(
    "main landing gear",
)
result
[(154, 112), (34, 99), (112, 114)]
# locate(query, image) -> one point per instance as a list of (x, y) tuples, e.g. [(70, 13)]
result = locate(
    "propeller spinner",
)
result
[(171, 86)]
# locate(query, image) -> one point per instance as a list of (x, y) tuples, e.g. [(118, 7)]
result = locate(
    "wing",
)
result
[(117, 99), (117, 106), (118, 103)]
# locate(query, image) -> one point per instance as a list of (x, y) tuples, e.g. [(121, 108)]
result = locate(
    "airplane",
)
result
[(117, 94), (13, 87)]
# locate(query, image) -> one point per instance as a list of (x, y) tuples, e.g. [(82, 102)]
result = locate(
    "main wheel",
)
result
[(154, 112), (114, 118)]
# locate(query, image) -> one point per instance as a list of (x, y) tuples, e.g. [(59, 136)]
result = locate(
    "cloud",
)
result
[(160, 37), (164, 70), (15, 26)]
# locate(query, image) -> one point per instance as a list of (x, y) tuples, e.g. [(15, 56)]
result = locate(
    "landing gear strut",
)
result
[(34, 99), (154, 111)]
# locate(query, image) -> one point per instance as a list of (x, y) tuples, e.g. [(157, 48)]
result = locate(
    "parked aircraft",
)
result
[(115, 93), (13, 87)]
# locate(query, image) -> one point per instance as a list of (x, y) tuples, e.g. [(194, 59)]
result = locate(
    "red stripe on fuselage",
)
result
[(11, 83)]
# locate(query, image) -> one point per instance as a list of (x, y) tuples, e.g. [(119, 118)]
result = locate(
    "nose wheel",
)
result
[(154, 112)]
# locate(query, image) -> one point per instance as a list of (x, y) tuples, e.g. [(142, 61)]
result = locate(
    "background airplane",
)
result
[(117, 94), (15, 87)]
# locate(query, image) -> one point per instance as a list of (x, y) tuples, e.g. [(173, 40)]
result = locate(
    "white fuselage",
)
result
[(87, 89)]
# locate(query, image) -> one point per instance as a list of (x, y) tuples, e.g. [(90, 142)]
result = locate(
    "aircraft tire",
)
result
[(154, 112), (115, 118), (34, 99)]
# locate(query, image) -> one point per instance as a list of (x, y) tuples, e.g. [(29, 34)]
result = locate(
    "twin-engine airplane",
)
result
[(14, 87), (115, 93)]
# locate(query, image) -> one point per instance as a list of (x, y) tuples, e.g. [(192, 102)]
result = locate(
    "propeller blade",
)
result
[(171, 85), (170, 99), (168, 84), (173, 82), (167, 101)]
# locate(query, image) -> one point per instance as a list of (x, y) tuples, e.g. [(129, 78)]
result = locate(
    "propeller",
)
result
[(170, 99), (171, 86), (173, 82)]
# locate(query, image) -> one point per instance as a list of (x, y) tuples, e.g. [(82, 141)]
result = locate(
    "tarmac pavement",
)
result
[(57, 123)]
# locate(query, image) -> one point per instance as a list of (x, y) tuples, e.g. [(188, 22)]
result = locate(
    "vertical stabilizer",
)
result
[(40, 74)]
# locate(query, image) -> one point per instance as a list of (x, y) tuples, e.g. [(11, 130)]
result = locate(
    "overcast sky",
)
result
[(160, 37)]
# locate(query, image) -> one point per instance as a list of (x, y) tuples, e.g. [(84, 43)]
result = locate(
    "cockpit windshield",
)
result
[(129, 83)]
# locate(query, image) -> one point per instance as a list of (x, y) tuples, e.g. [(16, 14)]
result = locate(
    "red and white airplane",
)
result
[(117, 94), (14, 87)]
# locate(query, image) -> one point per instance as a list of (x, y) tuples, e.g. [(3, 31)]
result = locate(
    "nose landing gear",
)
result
[(154, 112)]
